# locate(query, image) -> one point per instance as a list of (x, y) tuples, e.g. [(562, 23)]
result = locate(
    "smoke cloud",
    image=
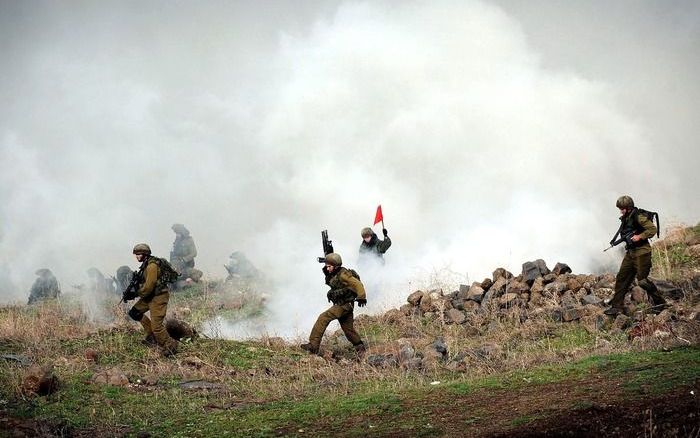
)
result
[(489, 138)]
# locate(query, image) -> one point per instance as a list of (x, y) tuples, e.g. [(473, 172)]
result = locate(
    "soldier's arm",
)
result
[(383, 245), (354, 284), (150, 281), (191, 252), (648, 225)]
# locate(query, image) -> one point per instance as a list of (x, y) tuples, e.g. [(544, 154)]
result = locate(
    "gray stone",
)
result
[(475, 293), (568, 300), (501, 273), (376, 360), (561, 268), (439, 345), (568, 315), (415, 298), (456, 316), (486, 284), (406, 352), (591, 299)]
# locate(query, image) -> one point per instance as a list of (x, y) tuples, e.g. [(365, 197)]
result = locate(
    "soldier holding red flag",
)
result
[(372, 249)]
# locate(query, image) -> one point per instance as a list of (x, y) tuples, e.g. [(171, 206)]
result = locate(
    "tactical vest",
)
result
[(166, 274), (630, 222), (340, 293)]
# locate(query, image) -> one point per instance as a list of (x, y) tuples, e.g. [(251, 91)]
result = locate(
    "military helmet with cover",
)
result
[(334, 259), (366, 232), (142, 248), (624, 202)]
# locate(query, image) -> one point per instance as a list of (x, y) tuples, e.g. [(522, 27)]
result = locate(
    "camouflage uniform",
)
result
[(240, 267), (183, 253), (153, 297), (373, 251), (345, 289), (637, 261), (98, 283), (44, 288)]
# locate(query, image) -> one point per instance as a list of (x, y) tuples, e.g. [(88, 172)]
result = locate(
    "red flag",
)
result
[(379, 217)]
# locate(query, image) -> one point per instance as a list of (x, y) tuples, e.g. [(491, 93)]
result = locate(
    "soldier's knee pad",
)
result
[(135, 314)]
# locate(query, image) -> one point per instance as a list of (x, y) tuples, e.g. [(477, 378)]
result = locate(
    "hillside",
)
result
[(517, 354)]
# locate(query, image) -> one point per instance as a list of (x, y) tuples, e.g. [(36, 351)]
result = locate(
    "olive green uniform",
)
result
[(375, 248), (153, 297), (44, 288), (345, 288), (637, 260), (183, 253)]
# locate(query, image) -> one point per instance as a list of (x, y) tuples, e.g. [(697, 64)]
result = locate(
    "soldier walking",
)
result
[(345, 289), (45, 287), (637, 260)]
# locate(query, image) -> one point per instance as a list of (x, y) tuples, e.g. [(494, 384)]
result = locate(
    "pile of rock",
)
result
[(558, 293)]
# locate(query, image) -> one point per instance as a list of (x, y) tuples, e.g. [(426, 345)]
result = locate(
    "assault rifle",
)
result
[(132, 288), (327, 246), (626, 237)]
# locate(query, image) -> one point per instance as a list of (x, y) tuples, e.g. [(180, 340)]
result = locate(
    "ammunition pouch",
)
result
[(341, 296)]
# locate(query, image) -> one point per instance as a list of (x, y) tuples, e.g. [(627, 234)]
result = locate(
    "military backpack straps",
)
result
[(168, 274), (651, 215), (354, 273)]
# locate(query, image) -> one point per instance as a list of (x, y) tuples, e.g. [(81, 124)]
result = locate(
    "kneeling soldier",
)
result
[(153, 294), (346, 288)]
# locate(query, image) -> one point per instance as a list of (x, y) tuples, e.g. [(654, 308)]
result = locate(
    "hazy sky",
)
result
[(491, 132)]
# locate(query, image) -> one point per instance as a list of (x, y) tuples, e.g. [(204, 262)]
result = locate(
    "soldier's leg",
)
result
[(643, 264), (158, 308), (137, 313), (321, 324), (346, 323), (623, 281)]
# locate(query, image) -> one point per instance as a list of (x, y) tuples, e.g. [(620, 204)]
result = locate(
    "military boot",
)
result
[(310, 348)]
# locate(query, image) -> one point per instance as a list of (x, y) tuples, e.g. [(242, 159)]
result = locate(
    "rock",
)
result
[(16, 358), (508, 300), (178, 329), (501, 273), (456, 316), (111, 376), (486, 284), (553, 290), (536, 299), (40, 381), (573, 284), (606, 281), (561, 268), (463, 288), (458, 304), (570, 315), (439, 345), (470, 306), (537, 286), (568, 300), (407, 309), (591, 299), (517, 287), (621, 321), (549, 278), (426, 303), (475, 293), (406, 353), (488, 351), (91, 354), (415, 298), (415, 363), (669, 290), (533, 270), (638, 295), (393, 316)]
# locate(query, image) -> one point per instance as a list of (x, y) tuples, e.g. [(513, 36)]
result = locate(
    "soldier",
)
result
[(123, 278), (153, 294), (240, 267), (45, 287), (372, 249), (97, 283), (346, 288), (637, 260), (183, 253)]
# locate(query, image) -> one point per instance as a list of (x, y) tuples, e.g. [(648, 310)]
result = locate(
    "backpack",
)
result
[(168, 274), (649, 215)]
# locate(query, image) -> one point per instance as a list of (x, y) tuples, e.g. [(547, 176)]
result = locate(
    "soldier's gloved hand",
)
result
[(362, 303), (385, 232)]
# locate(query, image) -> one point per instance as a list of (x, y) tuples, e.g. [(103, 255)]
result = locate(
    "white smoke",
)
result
[(121, 122)]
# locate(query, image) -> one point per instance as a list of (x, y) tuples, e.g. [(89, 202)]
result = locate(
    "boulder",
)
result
[(561, 268), (568, 300), (668, 290), (501, 273), (508, 300), (621, 321), (439, 345), (638, 295), (553, 290), (486, 284), (537, 286), (475, 293), (456, 316), (406, 353), (415, 298), (426, 303), (573, 284), (533, 270), (591, 299)]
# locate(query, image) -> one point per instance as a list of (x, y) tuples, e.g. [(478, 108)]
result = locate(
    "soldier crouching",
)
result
[(346, 288)]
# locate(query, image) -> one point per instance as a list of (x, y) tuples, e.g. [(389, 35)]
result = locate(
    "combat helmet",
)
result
[(366, 232), (334, 259), (624, 202), (142, 248), (180, 229)]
